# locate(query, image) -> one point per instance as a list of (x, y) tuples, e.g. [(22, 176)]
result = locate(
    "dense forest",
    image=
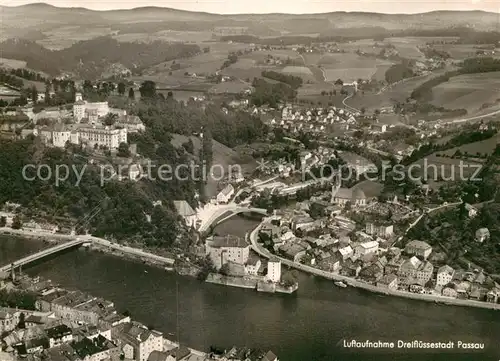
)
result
[(90, 58), (294, 81), (399, 72)]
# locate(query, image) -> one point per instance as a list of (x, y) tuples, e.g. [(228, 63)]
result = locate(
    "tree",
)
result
[(22, 323), (3, 221), (131, 93), (289, 279), (110, 119), (123, 150), (121, 88), (148, 89), (34, 94), (16, 222), (363, 110)]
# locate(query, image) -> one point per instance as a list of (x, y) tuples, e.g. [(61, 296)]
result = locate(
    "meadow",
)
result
[(407, 47), (64, 37), (12, 63), (469, 91)]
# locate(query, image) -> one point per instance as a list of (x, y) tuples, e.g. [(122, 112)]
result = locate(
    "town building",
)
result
[(102, 136), (83, 109), (366, 248), (227, 249), (418, 248), (444, 275), (416, 271), (383, 231), (482, 234), (132, 123), (274, 271), (186, 212), (353, 196), (389, 281), (136, 342), (59, 334), (225, 194)]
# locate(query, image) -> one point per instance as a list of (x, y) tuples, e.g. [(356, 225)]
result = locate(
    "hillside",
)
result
[(43, 17)]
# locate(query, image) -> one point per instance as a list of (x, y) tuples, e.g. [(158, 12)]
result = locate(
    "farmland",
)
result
[(407, 47), (12, 63), (64, 37), (472, 92), (484, 147)]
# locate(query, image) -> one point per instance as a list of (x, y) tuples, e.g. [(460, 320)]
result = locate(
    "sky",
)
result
[(282, 6)]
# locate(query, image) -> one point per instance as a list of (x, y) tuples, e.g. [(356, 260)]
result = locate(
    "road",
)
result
[(352, 109)]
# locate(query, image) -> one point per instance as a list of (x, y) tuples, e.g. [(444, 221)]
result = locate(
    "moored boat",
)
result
[(340, 284)]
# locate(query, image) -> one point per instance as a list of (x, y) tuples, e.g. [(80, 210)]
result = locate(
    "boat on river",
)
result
[(340, 284)]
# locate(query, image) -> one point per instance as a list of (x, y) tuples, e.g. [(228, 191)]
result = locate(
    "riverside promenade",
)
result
[(364, 285)]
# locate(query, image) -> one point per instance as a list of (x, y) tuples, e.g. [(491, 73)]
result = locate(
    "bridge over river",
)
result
[(43, 253)]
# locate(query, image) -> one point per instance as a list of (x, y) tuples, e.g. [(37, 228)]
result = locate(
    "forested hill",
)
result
[(89, 58)]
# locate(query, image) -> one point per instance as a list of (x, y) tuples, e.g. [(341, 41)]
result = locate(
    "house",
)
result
[(416, 270), (97, 349), (471, 210), (178, 354), (132, 123), (379, 128), (227, 249), (345, 252), (482, 234), (136, 341), (300, 222), (225, 195), (444, 275), (59, 334), (383, 231), (270, 356), (253, 265), (158, 356), (342, 196), (389, 281), (366, 248), (186, 212), (450, 292), (418, 248), (292, 251), (493, 295)]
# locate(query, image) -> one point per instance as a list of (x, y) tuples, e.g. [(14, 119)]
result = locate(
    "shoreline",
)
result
[(367, 286)]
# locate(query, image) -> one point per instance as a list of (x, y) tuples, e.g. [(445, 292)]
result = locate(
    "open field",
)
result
[(484, 147), (12, 63), (435, 169), (64, 37), (167, 35), (407, 47), (461, 51), (469, 91), (231, 87), (350, 67)]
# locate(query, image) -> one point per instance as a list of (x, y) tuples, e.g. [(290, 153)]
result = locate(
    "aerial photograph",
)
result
[(200, 180)]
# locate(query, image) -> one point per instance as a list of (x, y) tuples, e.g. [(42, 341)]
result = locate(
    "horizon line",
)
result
[(243, 13)]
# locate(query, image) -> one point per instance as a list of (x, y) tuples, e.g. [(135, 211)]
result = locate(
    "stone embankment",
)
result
[(364, 285)]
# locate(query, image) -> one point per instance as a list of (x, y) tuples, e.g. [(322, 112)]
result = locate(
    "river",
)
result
[(307, 326)]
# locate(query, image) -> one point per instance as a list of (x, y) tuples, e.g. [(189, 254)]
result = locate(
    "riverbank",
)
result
[(249, 283), (364, 285)]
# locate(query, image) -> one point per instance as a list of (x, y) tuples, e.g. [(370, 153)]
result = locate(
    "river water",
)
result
[(307, 326)]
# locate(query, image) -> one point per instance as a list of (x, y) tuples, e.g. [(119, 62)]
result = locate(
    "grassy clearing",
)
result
[(469, 91), (12, 63), (64, 37)]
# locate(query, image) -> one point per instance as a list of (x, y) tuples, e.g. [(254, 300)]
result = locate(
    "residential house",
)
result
[(419, 272), (450, 292), (136, 342), (471, 210), (300, 222), (493, 295), (59, 334), (227, 249), (444, 275), (345, 252), (178, 354), (132, 123), (389, 281), (343, 196), (366, 248), (98, 349), (383, 231), (186, 212), (225, 194), (418, 248), (482, 234), (292, 251)]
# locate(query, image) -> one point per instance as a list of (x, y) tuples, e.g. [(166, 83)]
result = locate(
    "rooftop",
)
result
[(228, 241)]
